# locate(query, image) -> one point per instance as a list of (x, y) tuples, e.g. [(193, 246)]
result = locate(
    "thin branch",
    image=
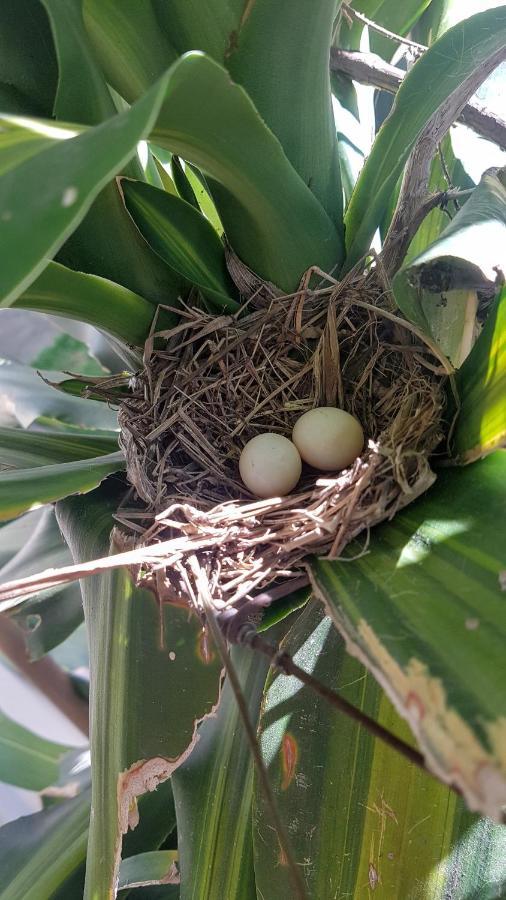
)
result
[(45, 674), (416, 176), (284, 662), (370, 69), (284, 841), (379, 29)]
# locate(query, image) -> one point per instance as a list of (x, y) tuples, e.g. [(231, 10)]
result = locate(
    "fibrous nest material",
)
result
[(218, 380)]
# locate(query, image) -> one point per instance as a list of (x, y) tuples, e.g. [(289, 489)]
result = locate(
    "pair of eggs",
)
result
[(326, 438)]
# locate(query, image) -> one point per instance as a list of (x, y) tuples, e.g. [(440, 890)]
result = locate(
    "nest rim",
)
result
[(242, 544)]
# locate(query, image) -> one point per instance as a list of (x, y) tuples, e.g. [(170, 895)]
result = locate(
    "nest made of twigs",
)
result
[(220, 380)]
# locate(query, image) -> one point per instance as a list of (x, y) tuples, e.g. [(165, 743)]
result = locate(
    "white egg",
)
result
[(328, 438), (270, 465)]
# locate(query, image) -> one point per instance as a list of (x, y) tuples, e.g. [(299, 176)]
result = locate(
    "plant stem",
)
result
[(284, 841), (284, 662)]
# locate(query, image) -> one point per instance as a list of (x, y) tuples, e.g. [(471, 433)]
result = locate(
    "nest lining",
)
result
[(220, 380)]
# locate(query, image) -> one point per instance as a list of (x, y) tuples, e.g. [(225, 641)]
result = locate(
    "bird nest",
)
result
[(215, 381)]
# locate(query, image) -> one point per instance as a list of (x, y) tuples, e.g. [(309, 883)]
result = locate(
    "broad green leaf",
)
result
[(38, 852), (192, 25), (29, 397), (213, 792), (129, 43), (23, 489), (443, 14), (48, 621), (468, 254), (68, 353), (45, 197), (27, 57), (143, 717), (271, 218), (47, 618), (42, 856), (363, 820), (24, 449), (26, 759), (18, 144), (424, 611), (269, 68), (82, 92), (157, 892), (80, 386), (444, 69), (183, 186), (449, 315), (481, 385), (201, 190), (14, 535), (154, 867), (398, 18), (13, 101), (183, 238), (94, 300), (105, 243)]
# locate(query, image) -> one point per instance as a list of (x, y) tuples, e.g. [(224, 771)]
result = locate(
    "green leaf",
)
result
[(38, 852), (181, 182), (154, 867), (363, 821), (443, 70), (26, 759), (213, 791), (47, 621), (27, 58), (42, 855), (29, 397), (88, 298), (14, 535), (143, 717), (423, 610), (68, 353), (84, 95), (471, 251), (481, 386), (269, 68), (192, 25), (450, 316), (45, 197), (18, 143), (82, 92), (273, 221), (50, 616), (43, 548), (23, 489), (130, 45), (24, 449), (183, 238), (396, 17), (202, 193), (437, 288)]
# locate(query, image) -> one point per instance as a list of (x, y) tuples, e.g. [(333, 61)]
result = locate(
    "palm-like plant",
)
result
[(233, 103)]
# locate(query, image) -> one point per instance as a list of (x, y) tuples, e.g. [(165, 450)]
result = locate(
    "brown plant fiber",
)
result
[(221, 379)]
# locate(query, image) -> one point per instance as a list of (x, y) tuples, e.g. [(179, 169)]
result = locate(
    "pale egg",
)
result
[(270, 465), (328, 438)]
